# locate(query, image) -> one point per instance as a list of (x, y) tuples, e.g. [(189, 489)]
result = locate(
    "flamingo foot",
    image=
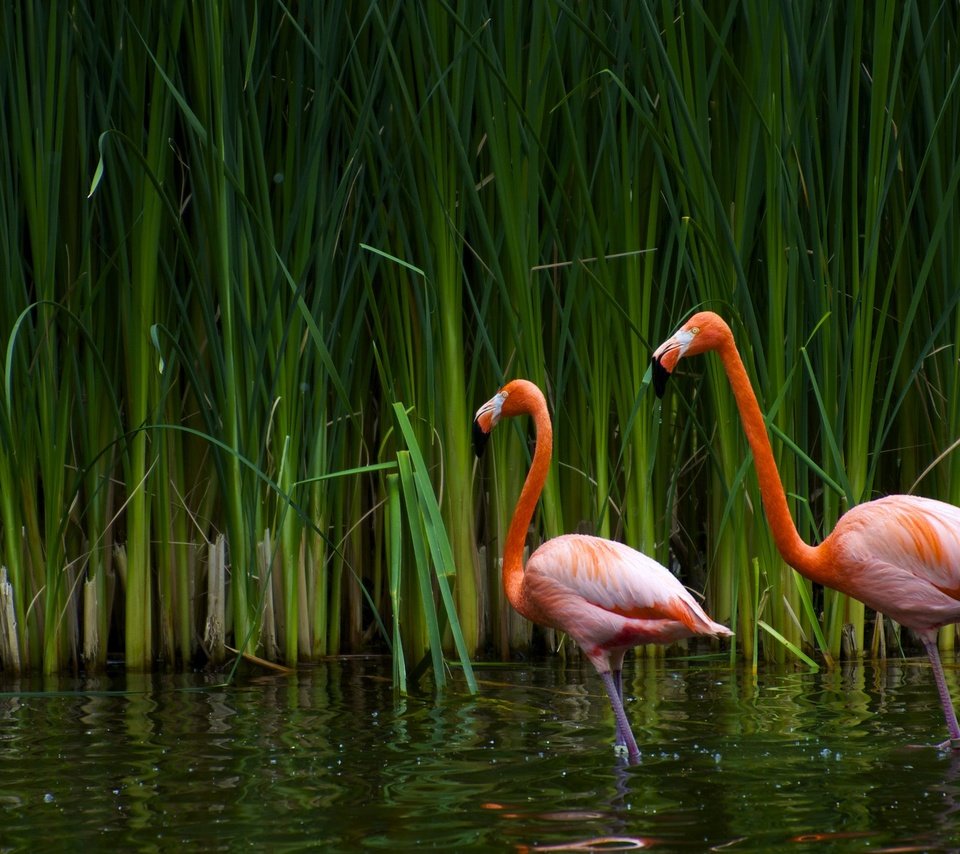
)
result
[(624, 732), (930, 643)]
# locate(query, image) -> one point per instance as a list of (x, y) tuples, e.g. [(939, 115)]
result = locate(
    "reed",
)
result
[(233, 239), (41, 337), (812, 181)]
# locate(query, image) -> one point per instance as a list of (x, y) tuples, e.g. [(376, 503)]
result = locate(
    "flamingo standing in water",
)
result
[(603, 594), (900, 555)]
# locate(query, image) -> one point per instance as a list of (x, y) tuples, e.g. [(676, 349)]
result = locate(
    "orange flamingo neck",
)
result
[(802, 557), (534, 405)]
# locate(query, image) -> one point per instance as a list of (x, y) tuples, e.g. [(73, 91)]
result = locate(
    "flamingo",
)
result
[(900, 555), (603, 594)]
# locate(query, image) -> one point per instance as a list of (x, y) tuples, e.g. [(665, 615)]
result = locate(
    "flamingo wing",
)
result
[(576, 571), (901, 556)]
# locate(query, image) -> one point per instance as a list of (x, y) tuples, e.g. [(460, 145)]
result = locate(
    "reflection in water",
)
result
[(327, 757)]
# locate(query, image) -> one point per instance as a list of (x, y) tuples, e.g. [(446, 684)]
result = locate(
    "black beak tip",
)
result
[(479, 439), (660, 377)]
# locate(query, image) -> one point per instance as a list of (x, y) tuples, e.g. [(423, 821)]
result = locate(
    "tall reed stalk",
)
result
[(234, 238)]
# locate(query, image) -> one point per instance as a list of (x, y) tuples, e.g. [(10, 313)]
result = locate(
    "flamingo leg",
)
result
[(930, 643), (618, 684), (623, 725), (616, 670)]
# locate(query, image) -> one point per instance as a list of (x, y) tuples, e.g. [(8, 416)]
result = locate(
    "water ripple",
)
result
[(329, 758)]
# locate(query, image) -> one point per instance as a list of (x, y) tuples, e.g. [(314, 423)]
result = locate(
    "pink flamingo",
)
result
[(900, 555), (603, 594)]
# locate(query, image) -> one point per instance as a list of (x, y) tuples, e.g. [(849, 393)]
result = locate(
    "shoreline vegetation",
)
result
[(260, 265)]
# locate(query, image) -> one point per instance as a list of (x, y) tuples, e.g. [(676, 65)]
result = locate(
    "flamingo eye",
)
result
[(695, 330)]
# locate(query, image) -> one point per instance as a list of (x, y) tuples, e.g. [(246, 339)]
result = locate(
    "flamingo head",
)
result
[(515, 398), (702, 332)]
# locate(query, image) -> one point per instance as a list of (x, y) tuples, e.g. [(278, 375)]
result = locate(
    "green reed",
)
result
[(848, 318), (42, 336), (299, 216)]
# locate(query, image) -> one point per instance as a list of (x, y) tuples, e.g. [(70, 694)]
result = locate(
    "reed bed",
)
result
[(261, 263)]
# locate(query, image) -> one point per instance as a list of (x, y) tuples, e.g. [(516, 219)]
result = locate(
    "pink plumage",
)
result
[(605, 595), (900, 554)]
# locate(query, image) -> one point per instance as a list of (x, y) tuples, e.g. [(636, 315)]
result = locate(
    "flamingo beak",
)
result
[(480, 437), (485, 420), (660, 376), (665, 357), (663, 362)]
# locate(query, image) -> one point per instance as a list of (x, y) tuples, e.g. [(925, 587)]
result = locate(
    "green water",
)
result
[(326, 759)]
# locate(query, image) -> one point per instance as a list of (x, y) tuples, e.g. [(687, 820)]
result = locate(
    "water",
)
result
[(327, 759)]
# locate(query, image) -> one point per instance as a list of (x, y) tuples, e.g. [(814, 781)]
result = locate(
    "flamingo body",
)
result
[(605, 595), (608, 597), (900, 555)]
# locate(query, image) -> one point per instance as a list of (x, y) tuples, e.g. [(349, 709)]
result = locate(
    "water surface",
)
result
[(327, 758)]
